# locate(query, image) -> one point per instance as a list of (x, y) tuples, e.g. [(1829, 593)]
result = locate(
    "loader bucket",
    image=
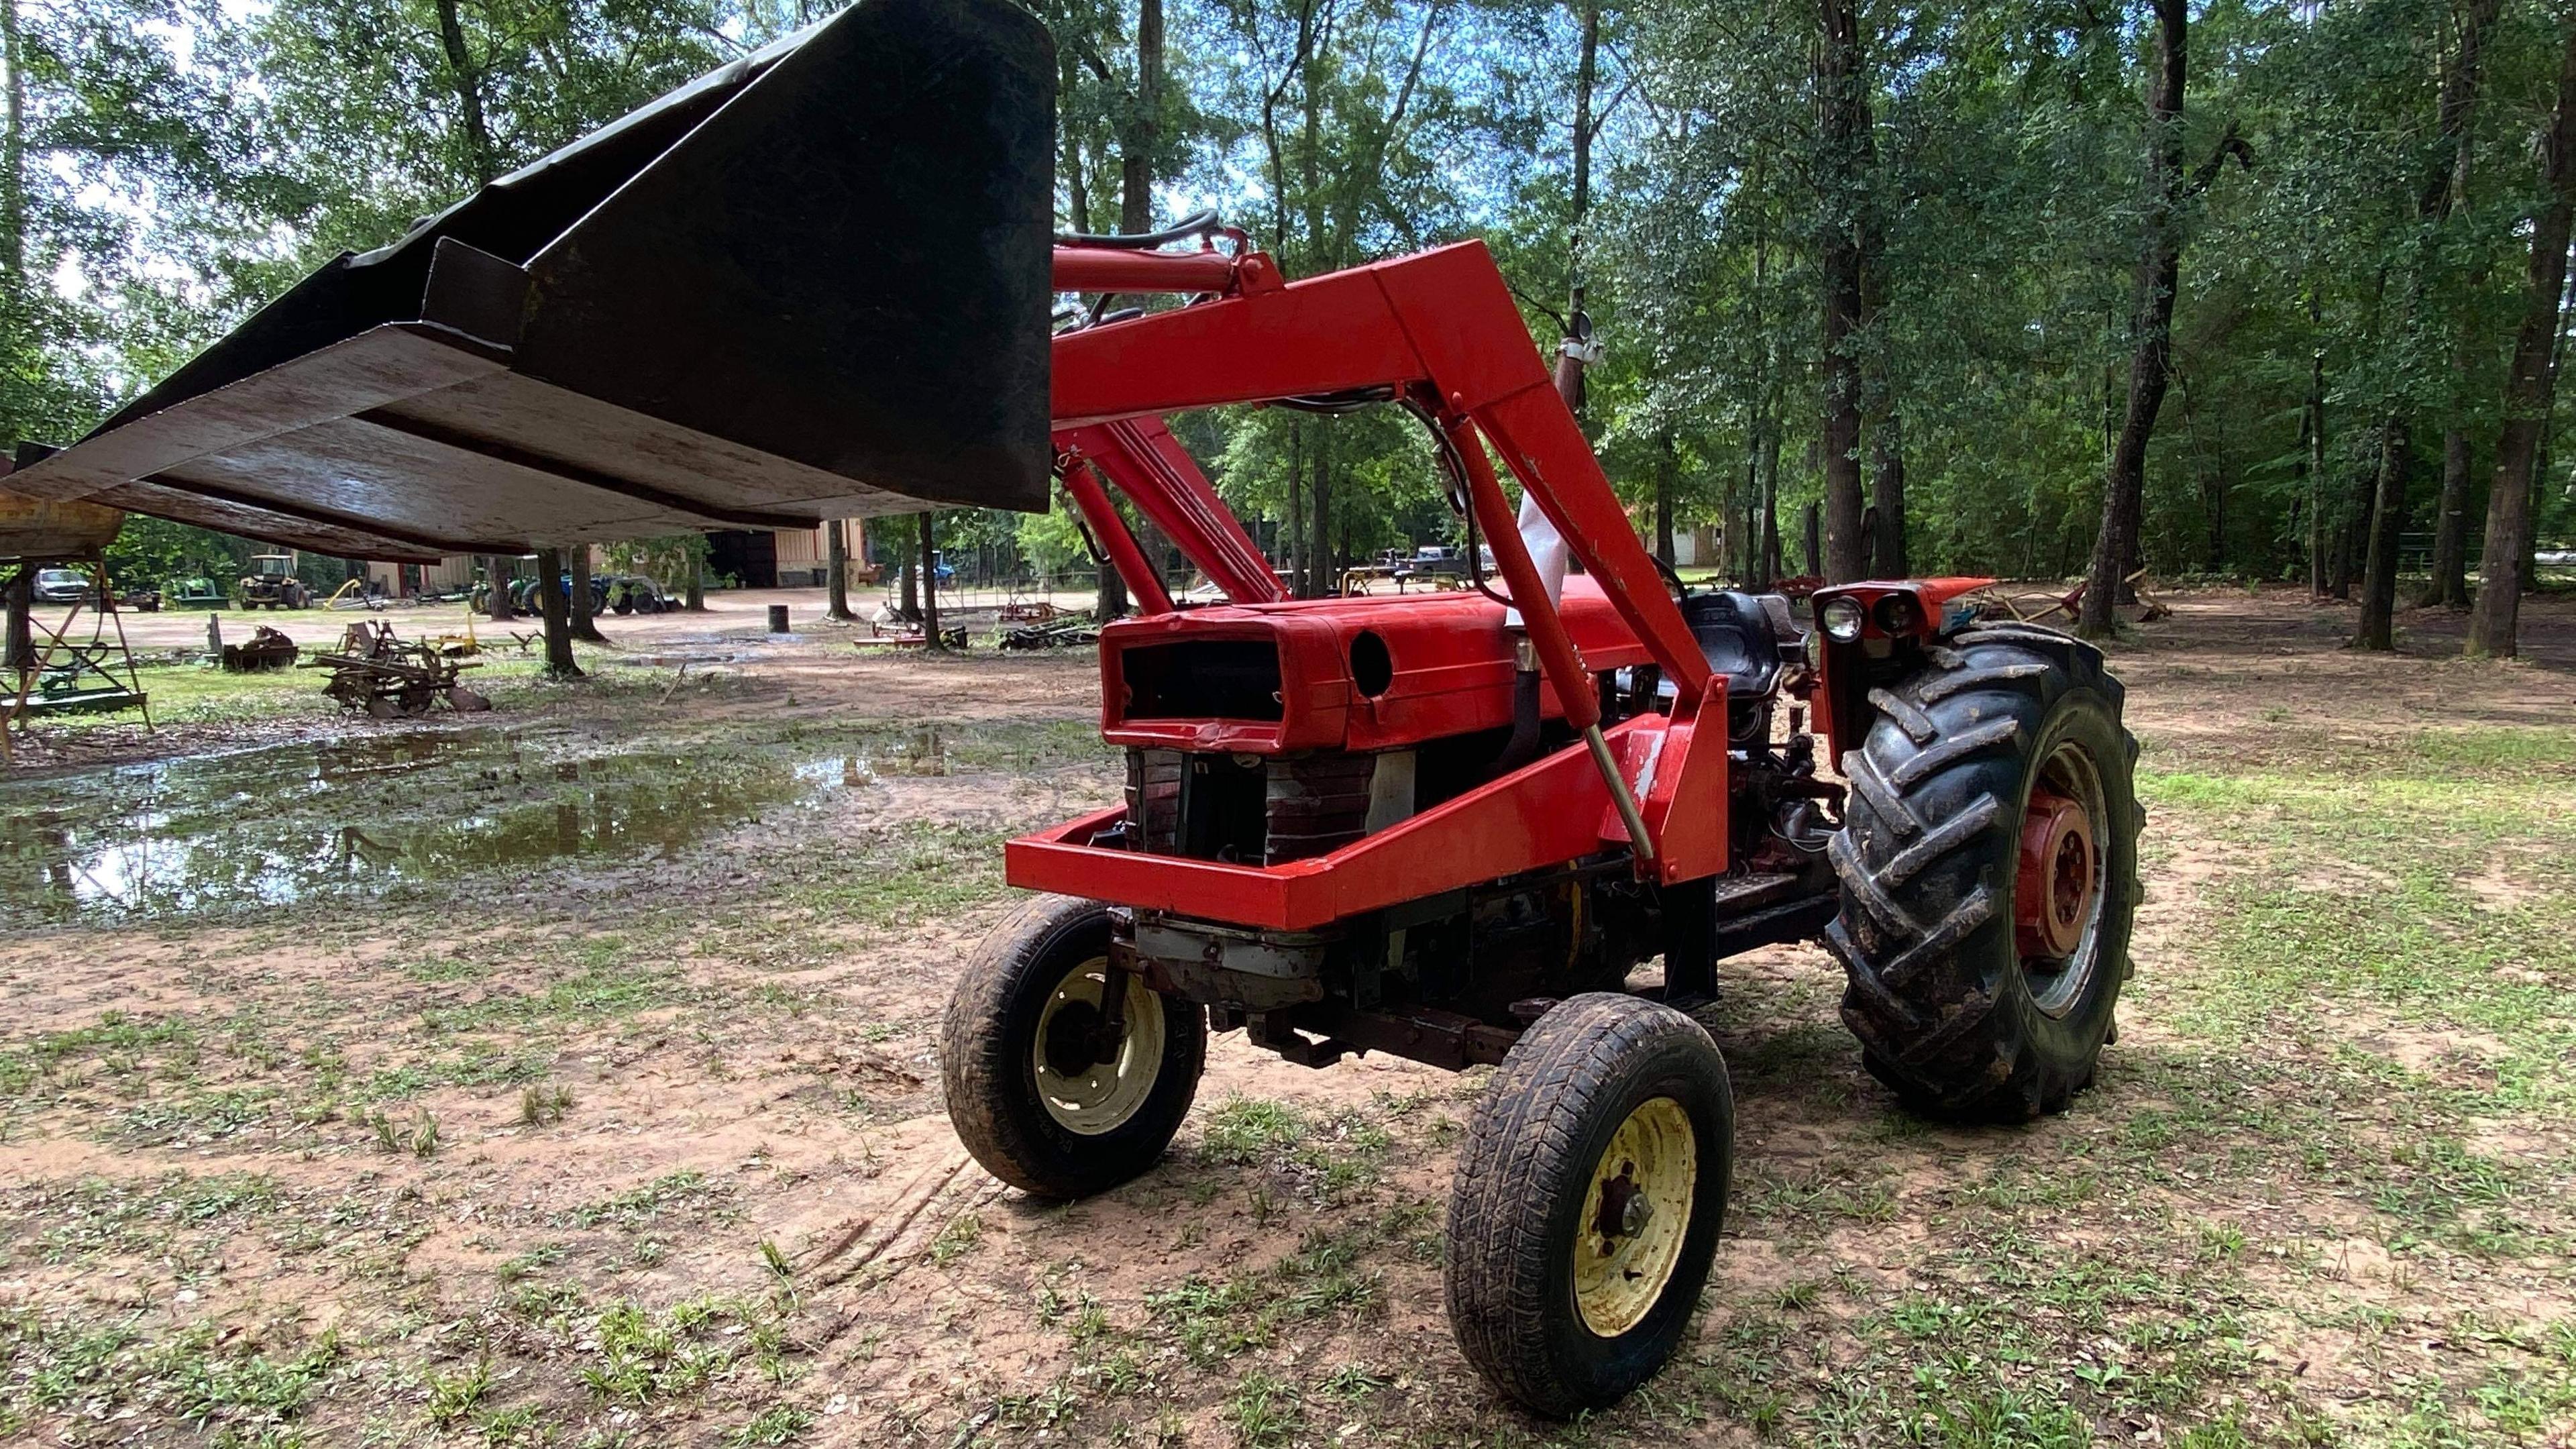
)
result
[(810, 284)]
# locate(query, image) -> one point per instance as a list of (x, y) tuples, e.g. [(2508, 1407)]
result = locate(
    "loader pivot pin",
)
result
[(2053, 890)]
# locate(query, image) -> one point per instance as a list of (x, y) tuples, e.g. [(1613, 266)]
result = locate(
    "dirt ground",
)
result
[(567, 1075)]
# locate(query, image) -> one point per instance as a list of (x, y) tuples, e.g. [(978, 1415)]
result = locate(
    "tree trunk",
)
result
[(585, 620), (1815, 545), (1842, 179), (1586, 73), (1109, 599), (1769, 533), (13, 165), (694, 599), (1732, 557), (908, 571), (1667, 482), (836, 571), (930, 585), (2541, 471), (557, 613), (1144, 129), (481, 156), (2352, 533), (1320, 583), (2387, 515), (2436, 194), (2151, 324), (17, 636), (1297, 508), (2312, 459), (1579, 325), (1886, 512), (496, 604), (1887, 448), (2450, 586), (1077, 187), (2528, 392)]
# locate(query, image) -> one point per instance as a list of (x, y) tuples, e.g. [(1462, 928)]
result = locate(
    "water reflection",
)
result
[(281, 823)]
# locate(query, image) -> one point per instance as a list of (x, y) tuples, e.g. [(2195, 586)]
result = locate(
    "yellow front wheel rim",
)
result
[(1636, 1215), (1087, 1097)]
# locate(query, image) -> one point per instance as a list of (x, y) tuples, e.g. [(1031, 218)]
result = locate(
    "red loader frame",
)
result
[(1440, 332)]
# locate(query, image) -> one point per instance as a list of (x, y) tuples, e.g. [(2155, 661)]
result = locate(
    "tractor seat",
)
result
[(1742, 635)]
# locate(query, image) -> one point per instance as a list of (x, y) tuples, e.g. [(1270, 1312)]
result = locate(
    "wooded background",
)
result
[(2229, 291)]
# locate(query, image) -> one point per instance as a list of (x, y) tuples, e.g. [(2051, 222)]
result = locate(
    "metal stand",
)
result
[(60, 675)]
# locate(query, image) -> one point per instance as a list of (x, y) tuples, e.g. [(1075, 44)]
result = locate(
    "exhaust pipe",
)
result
[(810, 284)]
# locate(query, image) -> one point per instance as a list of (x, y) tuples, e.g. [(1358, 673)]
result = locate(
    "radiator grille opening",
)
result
[(1202, 679)]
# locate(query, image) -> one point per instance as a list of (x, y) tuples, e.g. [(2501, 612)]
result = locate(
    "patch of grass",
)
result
[(1326, 1275), (544, 1104), (957, 1238), (196, 1116), (477, 1064), (1264, 1411), (605, 985), (210, 1380), (417, 1136), (147, 1215), (642, 1205), (452, 1396), (1245, 1130), (1330, 1156), (777, 1424), (534, 1260)]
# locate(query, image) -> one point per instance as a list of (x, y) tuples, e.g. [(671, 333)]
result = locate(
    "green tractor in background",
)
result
[(272, 584)]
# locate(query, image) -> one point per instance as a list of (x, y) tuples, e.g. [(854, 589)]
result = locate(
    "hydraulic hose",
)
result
[(1202, 224)]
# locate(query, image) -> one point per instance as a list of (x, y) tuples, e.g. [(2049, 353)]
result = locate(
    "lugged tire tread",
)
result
[(1912, 809), (1907, 714)]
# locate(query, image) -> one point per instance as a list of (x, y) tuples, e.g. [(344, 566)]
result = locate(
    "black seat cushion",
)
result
[(1739, 637)]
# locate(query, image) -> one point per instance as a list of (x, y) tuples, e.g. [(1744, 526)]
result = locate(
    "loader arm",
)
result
[(1142, 458), (1438, 327)]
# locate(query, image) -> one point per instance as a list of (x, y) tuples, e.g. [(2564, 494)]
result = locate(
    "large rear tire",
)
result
[(1587, 1205), (1989, 875), (1042, 1094)]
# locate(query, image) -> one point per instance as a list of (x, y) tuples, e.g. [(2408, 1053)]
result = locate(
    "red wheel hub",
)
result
[(2053, 895)]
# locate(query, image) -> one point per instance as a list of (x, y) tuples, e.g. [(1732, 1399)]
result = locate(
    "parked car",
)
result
[(64, 586)]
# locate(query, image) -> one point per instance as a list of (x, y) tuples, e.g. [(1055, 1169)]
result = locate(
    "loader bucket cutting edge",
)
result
[(813, 283)]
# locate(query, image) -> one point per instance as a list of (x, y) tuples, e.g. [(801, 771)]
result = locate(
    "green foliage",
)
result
[(179, 162), (156, 553)]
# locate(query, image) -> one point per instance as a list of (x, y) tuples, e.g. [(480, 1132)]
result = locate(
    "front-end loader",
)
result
[(1451, 827), (1448, 826)]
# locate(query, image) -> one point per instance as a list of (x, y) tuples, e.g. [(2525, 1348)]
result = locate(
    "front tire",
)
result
[(1989, 875), (1587, 1204), (1037, 1090)]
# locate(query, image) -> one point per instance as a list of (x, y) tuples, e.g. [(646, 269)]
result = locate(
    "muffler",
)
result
[(810, 284)]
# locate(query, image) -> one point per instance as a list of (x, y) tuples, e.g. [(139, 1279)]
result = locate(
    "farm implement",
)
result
[(1458, 827)]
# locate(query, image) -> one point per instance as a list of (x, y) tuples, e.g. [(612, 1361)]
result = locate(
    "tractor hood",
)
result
[(810, 284)]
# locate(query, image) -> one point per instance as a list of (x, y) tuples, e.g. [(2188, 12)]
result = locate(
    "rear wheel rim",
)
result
[(2058, 888), (1090, 1099), (1636, 1216)]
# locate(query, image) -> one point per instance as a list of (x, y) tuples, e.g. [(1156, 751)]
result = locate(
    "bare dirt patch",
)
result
[(652, 1146)]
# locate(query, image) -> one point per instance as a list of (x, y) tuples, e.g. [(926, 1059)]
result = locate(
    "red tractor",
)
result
[(1446, 826), (1450, 827)]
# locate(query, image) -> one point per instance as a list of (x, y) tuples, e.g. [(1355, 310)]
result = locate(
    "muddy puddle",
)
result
[(214, 833)]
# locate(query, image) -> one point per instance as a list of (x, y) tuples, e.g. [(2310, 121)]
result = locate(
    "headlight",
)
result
[(1900, 615), (1841, 618)]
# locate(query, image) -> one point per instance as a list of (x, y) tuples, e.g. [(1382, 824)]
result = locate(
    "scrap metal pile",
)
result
[(386, 676), (266, 649)]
